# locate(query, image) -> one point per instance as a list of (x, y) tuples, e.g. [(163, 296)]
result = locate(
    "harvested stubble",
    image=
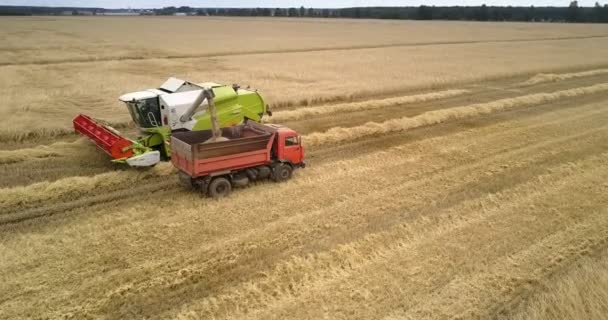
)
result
[(339, 134), (12, 156), (67, 39), (453, 220), (580, 293), (304, 77), (553, 77), (72, 188), (301, 113), (325, 239)]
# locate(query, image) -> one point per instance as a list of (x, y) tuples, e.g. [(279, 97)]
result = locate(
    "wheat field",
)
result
[(455, 171)]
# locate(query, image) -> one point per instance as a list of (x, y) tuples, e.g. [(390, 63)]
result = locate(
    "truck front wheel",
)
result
[(219, 188), (281, 172)]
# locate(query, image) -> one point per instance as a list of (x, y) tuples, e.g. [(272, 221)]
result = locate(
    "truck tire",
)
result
[(219, 188), (185, 180), (240, 180), (281, 172), (264, 172)]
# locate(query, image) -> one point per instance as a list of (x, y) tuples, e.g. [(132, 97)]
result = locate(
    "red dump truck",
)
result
[(246, 153)]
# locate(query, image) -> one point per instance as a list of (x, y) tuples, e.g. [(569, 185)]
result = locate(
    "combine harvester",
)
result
[(158, 113)]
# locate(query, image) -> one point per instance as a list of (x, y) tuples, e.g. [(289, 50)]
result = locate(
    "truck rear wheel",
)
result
[(185, 180), (281, 172), (219, 188)]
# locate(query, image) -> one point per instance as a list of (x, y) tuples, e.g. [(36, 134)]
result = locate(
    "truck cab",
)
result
[(288, 147)]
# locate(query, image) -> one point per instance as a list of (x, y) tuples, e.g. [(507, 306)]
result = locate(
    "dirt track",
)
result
[(458, 219)]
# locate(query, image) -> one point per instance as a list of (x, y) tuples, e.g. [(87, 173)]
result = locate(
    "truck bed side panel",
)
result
[(230, 147), (181, 156), (232, 162), (248, 146)]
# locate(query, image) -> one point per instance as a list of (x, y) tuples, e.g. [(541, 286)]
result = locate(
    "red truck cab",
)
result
[(248, 152), (288, 145)]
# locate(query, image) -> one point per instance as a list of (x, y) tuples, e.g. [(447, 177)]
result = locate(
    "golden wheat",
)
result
[(68, 39), (358, 234), (552, 77), (72, 188), (339, 134), (13, 156), (305, 76), (346, 261), (456, 221), (579, 293), (305, 112), (56, 149)]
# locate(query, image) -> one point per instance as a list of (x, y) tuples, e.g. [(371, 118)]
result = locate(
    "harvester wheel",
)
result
[(281, 172), (219, 188), (163, 152)]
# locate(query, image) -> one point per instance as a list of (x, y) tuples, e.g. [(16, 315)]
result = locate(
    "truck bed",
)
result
[(248, 145)]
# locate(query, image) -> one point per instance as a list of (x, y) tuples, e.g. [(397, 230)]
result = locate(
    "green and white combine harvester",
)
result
[(176, 106)]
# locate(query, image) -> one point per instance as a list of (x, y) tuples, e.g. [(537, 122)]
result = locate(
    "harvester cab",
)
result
[(177, 105), (153, 108)]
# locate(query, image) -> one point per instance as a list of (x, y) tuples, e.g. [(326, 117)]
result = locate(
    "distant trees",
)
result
[(166, 11), (425, 13), (482, 13), (572, 13), (600, 13)]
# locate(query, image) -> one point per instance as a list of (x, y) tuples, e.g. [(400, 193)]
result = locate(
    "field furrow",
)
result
[(339, 134), (80, 158), (456, 174), (286, 51), (373, 284), (437, 174)]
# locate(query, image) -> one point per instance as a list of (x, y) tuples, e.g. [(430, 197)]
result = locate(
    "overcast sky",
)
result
[(284, 3)]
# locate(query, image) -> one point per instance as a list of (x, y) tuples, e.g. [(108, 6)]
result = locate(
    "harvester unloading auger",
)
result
[(174, 107)]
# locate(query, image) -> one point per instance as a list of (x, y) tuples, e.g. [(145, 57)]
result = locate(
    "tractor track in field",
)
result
[(215, 274), (383, 248), (54, 168), (476, 94), (318, 155), (88, 202), (435, 221), (287, 51), (433, 206), (125, 193)]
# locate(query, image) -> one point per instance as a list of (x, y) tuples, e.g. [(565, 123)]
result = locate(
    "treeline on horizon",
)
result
[(572, 13)]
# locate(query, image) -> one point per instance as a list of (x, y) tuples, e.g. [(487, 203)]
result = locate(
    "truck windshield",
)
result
[(145, 113)]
